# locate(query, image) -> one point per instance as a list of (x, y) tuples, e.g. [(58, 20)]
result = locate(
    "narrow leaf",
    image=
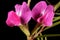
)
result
[(56, 18), (38, 39), (50, 35), (57, 13), (57, 6), (52, 25), (45, 38)]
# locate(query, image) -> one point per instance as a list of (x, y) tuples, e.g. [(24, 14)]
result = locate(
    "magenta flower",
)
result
[(43, 14), (21, 16)]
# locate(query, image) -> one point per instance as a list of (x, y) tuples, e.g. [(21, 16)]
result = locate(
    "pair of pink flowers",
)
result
[(41, 13)]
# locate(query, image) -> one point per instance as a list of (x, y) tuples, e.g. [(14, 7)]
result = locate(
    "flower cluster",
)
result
[(41, 12), (22, 15)]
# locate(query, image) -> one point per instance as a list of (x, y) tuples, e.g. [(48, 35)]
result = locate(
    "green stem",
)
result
[(52, 25), (57, 13), (45, 38), (36, 28), (48, 2), (50, 35), (41, 38), (56, 18), (38, 38), (41, 35), (57, 6), (29, 2), (38, 32)]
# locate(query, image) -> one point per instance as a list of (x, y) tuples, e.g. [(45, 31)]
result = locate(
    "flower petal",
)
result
[(38, 8), (26, 13), (39, 20), (26, 17), (24, 8), (48, 18), (13, 19), (18, 9)]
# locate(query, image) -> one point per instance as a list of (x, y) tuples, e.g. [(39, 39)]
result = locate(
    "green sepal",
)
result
[(25, 30)]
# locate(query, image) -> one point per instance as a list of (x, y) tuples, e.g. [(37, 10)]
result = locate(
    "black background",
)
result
[(8, 33)]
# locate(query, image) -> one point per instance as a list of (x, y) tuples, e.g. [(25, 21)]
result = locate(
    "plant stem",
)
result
[(45, 38), (38, 38), (38, 32), (29, 2), (48, 2), (36, 28), (41, 35), (30, 38)]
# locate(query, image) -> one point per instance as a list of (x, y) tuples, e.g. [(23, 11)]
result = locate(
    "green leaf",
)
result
[(50, 35), (52, 25), (57, 6), (56, 18), (25, 30), (57, 13)]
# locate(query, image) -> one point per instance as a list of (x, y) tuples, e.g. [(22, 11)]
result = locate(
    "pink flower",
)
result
[(21, 16), (13, 19), (43, 14)]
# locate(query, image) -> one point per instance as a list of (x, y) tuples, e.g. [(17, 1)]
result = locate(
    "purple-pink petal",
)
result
[(13, 19), (43, 14), (47, 20), (26, 13), (18, 9), (21, 16), (26, 17), (38, 8), (25, 8)]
